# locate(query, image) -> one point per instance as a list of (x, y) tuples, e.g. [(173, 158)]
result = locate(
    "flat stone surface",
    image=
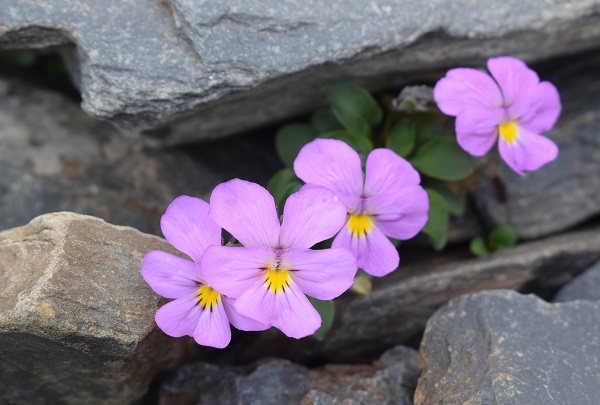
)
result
[(389, 380), (144, 65), (76, 317), (583, 287), (503, 348), (54, 157), (400, 305)]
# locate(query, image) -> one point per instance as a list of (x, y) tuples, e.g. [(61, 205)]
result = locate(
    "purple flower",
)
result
[(388, 202), (198, 310), (513, 103), (270, 275)]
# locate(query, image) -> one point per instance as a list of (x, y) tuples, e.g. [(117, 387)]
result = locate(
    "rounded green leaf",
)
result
[(291, 138), (327, 311), (502, 237), (478, 247), (437, 224), (456, 203), (426, 131), (354, 107), (441, 158), (283, 184), (401, 138), (359, 143), (325, 121)]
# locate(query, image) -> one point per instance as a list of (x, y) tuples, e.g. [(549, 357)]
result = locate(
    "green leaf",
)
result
[(437, 224), (426, 131), (325, 121), (401, 138), (291, 138), (327, 311), (282, 185), (456, 203), (359, 143), (502, 237), (478, 247), (354, 107), (442, 158), (362, 283)]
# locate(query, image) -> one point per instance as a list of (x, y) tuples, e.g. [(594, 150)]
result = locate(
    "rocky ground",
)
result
[(76, 318)]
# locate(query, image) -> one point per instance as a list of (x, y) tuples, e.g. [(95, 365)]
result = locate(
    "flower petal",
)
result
[(294, 315), (477, 129), (310, 216), (179, 317), (386, 171), (464, 88), (322, 274), (530, 151), (187, 226), (212, 328), (332, 164), (231, 270), (399, 213), (240, 321), (247, 211), (257, 302), (374, 253), (513, 76), (539, 110), (170, 276)]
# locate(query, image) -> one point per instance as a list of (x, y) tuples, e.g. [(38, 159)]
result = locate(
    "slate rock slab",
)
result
[(145, 65), (501, 348), (389, 380), (401, 304), (76, 318), (583, 287), (54, 157)]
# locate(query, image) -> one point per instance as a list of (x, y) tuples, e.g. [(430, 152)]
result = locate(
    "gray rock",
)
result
[(564, 192), (400, 305), (584, 287), (390, 380), (76, 317), (500, 347), (54, 157), (144, 65)]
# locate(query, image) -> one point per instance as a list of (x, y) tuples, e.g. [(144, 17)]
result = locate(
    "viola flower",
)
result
[(388, 201), (270, 275), (512, 106), (198, 310)]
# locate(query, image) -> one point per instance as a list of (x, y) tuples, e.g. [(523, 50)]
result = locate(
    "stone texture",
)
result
[(76, 317), (144, 65), (54, 157), (389, 380), (564, 192), (584, 287), (400, 305), (500, 347)]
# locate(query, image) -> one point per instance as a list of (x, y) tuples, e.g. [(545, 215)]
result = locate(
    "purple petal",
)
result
[(539, 110), (387, 171), (187, 226), (400, 213), (374, 253), (310, 216), (513, 76), (231, 270), (240, 321), (332, 164), (477, 129), (464, 88), (322, 274), (170, 276), (178, 318), (294, 315), (247, 211), (530, 151), (212, 328), (257, 302)]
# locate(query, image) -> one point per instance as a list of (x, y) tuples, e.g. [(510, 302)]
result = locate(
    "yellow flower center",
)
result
[(359, 225), (277, 279), (509, 131), (207, 297)]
